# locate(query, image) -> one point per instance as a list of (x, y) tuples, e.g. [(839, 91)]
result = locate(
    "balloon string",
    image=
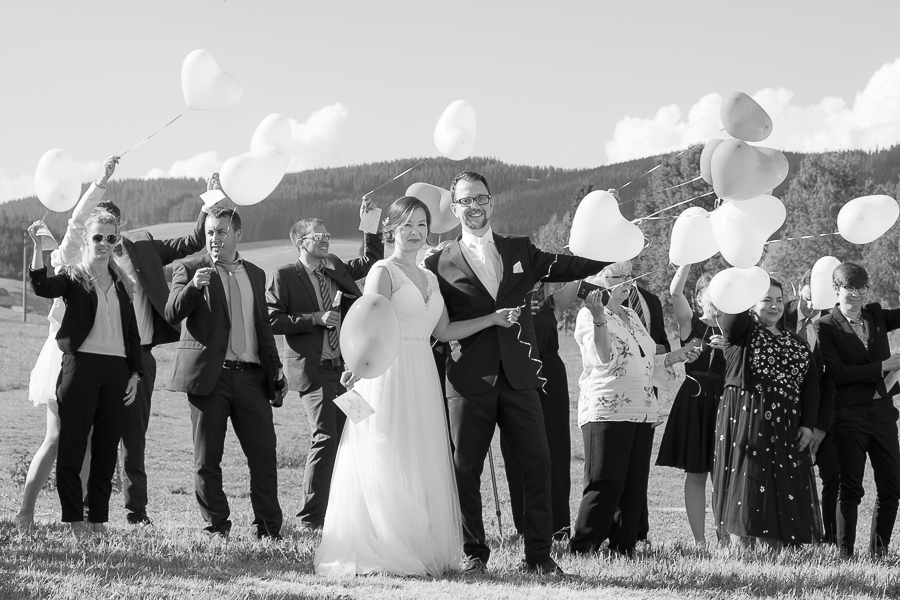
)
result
[(639, 219), (396, 177), (804, 237), (154, 133), (707, 140), (671, 187)]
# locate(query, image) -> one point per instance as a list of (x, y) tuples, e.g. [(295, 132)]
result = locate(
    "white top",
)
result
[(482, 255), (143, 310), (622, 389), (106, 335)]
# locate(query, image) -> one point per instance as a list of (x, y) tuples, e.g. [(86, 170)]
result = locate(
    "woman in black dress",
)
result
[(688, 441), (763, 486)]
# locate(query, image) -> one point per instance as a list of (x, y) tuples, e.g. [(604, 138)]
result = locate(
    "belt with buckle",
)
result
[(239, 365), (331, 362)]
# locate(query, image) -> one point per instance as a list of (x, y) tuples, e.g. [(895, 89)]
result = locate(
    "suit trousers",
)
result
[(472, 423), (555, 407), (616, 473), (867, 429), (90, 393), (326, 422), (829, 475), (242, 397), (134, 435)]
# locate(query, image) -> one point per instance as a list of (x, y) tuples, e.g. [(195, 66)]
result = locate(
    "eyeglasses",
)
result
[(856, 291), (110, 238), (317, 236), (480, 200)]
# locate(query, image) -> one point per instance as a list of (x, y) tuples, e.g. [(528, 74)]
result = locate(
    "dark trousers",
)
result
[(829, 475), (326, 422), (867, 429), (616, 472), (555, 407), (91, 392), (472, 422), (134, 435), (240, 396)]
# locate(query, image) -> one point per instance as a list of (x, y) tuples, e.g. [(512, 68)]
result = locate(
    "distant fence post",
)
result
[(24, 277)]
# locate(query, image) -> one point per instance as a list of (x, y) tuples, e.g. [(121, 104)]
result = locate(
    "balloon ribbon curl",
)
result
[(154, 133)]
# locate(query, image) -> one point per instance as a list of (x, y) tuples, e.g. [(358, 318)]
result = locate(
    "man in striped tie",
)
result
[(307, 300)]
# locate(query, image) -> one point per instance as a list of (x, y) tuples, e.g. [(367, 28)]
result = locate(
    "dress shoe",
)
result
[(474, 566), (262, 534), (310, 527), (136, 519), (546, 566), (222, 529)]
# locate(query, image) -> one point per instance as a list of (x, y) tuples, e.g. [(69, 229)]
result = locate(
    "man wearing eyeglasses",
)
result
[(307, 301), (857, 355), (493, 376)]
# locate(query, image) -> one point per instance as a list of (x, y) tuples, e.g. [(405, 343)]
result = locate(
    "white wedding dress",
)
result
[(393, 505)]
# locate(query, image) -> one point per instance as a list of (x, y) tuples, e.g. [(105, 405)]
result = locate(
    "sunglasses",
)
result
[(317, 236), (110, 238)]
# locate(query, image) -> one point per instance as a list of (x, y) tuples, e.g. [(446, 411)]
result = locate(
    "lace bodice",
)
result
[(418, 314)]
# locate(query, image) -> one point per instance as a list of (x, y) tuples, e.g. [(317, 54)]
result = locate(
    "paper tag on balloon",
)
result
[(891, 380), (354, 406), (211, 197), (369, 221), (48, 242)]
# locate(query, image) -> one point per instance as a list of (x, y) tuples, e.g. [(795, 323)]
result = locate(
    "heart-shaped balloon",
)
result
[(744, 118), (205, 85), (274, 130), (600, 232), (454, 134), (370, 336), (692, 237), (741, 229), (865, 219), (740, 171), (736, 290), (57, 182), (438, 201), (705, 158), (249, 178), (821, 286)]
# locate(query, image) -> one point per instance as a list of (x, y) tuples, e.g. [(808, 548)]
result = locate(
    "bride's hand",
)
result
[(505, 317), (348, 379)]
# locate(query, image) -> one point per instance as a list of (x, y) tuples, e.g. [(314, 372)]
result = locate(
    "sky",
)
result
[(571, 84)]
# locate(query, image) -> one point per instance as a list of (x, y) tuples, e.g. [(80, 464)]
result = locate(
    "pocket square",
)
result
[(517, 268)]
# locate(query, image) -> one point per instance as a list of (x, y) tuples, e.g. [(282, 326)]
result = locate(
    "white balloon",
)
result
[(274, 130), (692, 238), (865, 219), (600, 232), (57, 182), (821, 287), (438, 201), (736, 290), (249, 178), (205, 85), (741, 229), (454, 134)]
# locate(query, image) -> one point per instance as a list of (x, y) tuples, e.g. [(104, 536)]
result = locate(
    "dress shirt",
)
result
[(327, 351), (143, 310), (482, 255), (251, 353), (106, 335), (810, 331)]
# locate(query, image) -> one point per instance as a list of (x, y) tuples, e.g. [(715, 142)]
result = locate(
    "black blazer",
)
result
[(856, 372), (207, 325), (826, 385), (475, 361), (149, 256), (292, 299), (657, 320), (81, 310)]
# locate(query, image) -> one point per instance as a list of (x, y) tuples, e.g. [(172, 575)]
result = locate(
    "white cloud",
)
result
[(318, 142), (200, 166), (13, 187), (873, 120)]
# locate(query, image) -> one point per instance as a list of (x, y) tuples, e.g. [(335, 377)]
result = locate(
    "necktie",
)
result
[(238, 340), (634, 300), (325, 292)]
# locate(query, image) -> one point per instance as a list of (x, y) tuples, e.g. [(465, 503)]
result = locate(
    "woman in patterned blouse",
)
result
[(617, 411), (763, 486)]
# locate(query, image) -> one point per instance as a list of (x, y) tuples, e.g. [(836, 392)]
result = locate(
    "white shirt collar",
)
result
[(469, 239)]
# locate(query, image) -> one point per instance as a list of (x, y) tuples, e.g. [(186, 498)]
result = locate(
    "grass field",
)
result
[(173, 560)]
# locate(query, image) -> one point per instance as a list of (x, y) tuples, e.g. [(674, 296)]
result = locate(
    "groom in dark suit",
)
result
[(493, 376), (300, 298)]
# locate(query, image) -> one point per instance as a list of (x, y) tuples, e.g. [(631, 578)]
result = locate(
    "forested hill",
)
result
[(527, 197)]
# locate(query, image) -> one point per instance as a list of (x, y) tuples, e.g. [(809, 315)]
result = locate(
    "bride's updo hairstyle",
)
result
[(399, 213)]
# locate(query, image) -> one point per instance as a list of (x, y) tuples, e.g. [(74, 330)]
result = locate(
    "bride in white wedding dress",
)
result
[(393, 505)]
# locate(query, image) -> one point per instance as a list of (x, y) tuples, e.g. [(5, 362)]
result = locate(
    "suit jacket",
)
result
[(81, 310), (475, 361), (207, 325), (826, 386), (855, 371), (149, 256), (657, 320), (292, 299)]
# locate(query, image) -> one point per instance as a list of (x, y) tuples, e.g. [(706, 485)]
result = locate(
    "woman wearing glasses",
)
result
[(100, 366)]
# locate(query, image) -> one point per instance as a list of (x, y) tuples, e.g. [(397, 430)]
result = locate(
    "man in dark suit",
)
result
[(142, 258), (493, 376), (301, 299), (800, 317), (228, 365), (857, 357)]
